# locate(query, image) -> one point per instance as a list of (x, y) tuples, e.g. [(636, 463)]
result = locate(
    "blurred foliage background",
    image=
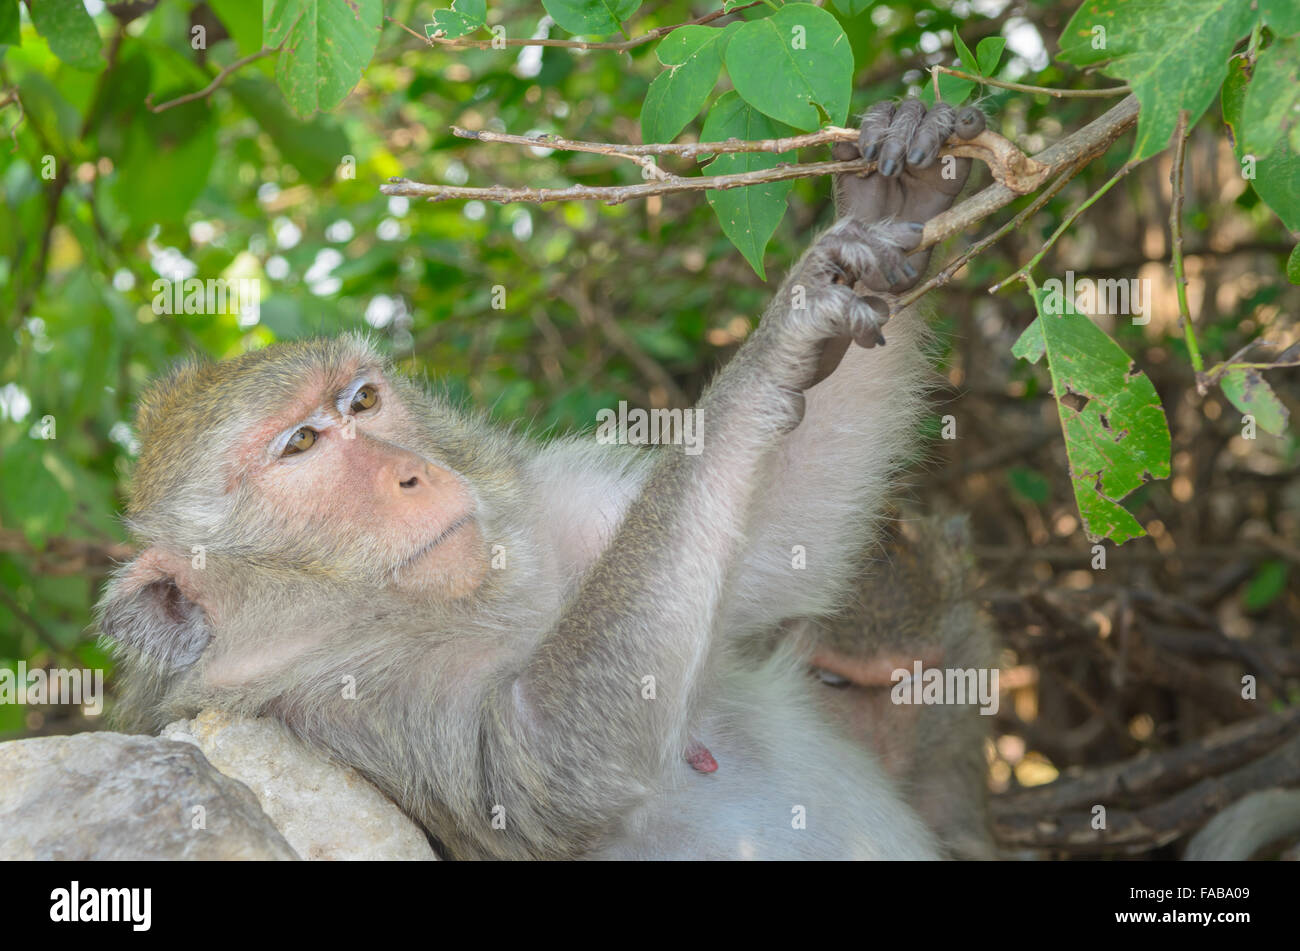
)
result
[(638, 302)]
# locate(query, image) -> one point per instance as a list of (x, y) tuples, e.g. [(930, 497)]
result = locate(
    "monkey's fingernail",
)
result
[(909, 270), (872, 151), (915, 156), (888, 166), (916, 226)]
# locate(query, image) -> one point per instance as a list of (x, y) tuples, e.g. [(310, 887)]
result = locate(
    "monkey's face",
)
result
[(338, 477)]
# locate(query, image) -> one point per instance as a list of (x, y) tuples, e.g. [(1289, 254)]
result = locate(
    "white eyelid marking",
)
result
[(351, 390), (317, 421)]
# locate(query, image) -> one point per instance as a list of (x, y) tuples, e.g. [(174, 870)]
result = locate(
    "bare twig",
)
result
[(1084, 145), (615, 194), (211, 87), (1009, 165), (1154, 825), (949, 270), (1024, 271), (11, 98), (1155, 773)]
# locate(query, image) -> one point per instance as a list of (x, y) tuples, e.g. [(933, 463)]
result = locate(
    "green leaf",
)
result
[(1293, 266), (327, 43), (243, 21), (175, 147), (464, 17), (989, 53), (69, 30), (1118, 438), (852, 8), (1275, 177), (750, 215), (1248, 391), (314, 146), (34, 499), (1272, 103), (965, 55), (693, 55), (1029, 485), (10, 35), (789, 63), (1174, 55), (591, 17), (1266, 587), (1283, 16), (952, 89)]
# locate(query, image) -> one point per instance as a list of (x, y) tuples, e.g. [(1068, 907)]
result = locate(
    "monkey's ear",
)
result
[(152, 607)]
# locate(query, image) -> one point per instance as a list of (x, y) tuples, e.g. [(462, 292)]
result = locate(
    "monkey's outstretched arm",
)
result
[(824, 485), (605, 701)]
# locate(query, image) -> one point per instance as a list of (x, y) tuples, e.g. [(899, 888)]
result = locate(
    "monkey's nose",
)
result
[(416, 475)]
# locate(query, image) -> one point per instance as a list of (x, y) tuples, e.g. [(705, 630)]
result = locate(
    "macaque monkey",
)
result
[(540, 651), (915, 602)]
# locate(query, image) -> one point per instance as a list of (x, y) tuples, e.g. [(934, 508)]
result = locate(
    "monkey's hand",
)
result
[(840, 292), (911, 183)]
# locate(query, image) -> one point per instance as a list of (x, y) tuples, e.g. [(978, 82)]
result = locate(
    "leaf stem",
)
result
[(1044, 90), (1176, 242), (1023, 273)]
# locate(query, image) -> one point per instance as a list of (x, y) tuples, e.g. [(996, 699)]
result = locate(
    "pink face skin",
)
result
[(352, 471)]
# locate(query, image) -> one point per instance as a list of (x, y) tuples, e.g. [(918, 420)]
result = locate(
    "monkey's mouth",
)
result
[(446, 533)]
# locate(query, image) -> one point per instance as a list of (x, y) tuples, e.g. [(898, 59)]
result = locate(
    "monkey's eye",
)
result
[(300, 441), (366, 398)]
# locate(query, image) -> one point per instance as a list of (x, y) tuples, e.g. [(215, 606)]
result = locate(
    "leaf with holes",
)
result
[(464, 17), (1174, 55), (1275, 177), (1250, 393), (1272, 104), (1116, 435)]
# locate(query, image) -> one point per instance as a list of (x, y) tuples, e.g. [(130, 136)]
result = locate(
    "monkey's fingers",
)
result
[(930, 135), (970, 122), (871, 134), (896, 145), (874, 253)]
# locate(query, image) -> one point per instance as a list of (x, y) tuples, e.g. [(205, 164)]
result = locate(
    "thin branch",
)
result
[(211, 87), (1044, 90), (617, 45), (1176, 242), (1024, 272), (615, 194), (949, 270), (1083, 145), (1009, 165), (12, 99), (689, 150)]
